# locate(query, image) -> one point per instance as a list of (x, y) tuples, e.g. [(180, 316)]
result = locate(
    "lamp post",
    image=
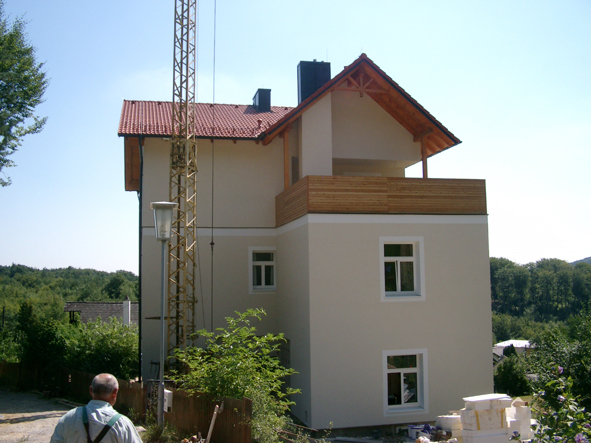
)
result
[(163, 225)]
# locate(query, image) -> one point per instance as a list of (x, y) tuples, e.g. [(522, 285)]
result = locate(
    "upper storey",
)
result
[(359, 128)]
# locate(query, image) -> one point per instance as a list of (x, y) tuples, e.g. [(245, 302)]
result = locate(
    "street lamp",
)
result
[(163, 225)]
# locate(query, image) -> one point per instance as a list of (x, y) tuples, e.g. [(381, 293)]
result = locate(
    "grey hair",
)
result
[(103, 385)]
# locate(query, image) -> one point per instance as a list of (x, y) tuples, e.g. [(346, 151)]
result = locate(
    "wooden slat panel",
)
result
[(348, 194), (132, 164), (292, 203), (380, 195)]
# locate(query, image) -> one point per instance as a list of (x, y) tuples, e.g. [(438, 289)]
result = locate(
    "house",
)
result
[(521, 346), (126, 311), (380, 282)]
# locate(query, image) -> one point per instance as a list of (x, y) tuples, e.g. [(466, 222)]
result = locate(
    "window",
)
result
[(405, 380), (401, 266), (262, 269)]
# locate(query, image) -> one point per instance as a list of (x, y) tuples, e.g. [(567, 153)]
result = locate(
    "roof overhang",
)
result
[(365, 77)]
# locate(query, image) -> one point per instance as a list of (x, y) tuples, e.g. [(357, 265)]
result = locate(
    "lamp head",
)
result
[(163, 219)]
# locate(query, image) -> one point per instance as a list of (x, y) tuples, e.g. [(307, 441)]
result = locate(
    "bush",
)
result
[(510, 377), (97, 347), (560, 418), (569, 349), (237, 363)]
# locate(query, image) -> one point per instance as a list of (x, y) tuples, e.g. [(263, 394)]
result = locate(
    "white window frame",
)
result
[(258, 289), (418, 260), (422, 403)]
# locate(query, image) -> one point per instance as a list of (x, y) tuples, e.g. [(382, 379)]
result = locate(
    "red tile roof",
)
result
[(151, 118)]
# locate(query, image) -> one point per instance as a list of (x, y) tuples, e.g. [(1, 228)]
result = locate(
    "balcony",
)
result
[(379, 195)]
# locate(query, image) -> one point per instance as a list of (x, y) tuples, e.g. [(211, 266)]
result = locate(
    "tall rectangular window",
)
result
[(405, 380), (262, 269), (401, 268)]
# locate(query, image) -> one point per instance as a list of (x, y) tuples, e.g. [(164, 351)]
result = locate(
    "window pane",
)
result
[(262, 256), (407, 278), (269, 280), (398, 250), (394, 394), (402, 361), (257, 278), (390, 276), (410, 388)]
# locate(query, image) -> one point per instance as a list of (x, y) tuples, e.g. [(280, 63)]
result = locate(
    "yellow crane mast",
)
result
[(182, 262)]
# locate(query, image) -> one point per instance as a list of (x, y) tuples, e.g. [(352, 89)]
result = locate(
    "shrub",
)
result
[(97, 347), (510, 377), (560, 418), (237, 363)]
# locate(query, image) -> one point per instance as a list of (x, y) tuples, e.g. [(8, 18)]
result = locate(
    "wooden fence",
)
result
[(190, 414)]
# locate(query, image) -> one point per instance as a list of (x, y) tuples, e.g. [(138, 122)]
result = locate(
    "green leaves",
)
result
[(560, 418), (98, 346), (22, 85), (237, 363)]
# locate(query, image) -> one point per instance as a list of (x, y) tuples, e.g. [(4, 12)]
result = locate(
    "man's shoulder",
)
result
[(71, 413)]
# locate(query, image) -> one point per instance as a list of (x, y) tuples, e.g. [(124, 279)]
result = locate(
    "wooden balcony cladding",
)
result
[(380, 195)]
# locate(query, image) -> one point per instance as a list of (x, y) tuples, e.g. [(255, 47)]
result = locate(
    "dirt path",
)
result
[(27, 417)]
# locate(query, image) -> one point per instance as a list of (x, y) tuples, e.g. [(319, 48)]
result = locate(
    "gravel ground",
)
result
[(28, 417)]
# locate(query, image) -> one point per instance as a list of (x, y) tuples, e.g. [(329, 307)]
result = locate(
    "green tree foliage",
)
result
[(42, 343), (48, 289), (560, 418), (94, 347), (237, 363), (570, 348), (548, 290), (35, 328), (510, 376), (22, 85), (98, 347), (507, 327)]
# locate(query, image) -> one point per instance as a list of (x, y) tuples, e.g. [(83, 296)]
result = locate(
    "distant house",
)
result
[(380, 283), (126, 311), (520, 346)]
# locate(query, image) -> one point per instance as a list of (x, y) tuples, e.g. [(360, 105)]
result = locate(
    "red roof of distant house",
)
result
[(151, 118)]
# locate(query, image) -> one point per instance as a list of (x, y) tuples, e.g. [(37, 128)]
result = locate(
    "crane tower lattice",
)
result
[(182, 262)]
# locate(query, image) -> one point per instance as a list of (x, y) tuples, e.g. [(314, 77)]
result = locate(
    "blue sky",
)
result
[(509, 78)]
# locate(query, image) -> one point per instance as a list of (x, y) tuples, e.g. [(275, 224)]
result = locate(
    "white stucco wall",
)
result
[(316, 141), (361, 129), (247, 178), (293, 308), (350, 326)]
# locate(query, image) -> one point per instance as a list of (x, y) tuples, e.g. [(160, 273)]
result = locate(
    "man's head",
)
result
[(104, 387)]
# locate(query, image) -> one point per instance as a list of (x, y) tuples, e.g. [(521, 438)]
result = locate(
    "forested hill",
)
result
[(48, 289), (585, 260), (547, 290)]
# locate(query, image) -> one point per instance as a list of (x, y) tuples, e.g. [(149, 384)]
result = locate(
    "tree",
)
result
[(22, 85), (510, 377)]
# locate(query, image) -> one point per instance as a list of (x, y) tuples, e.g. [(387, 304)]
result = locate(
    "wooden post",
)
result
[(421, 138), (424, 158), (286, 158)]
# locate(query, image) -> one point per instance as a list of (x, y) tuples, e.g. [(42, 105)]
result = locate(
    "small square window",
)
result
[(262, 269)]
